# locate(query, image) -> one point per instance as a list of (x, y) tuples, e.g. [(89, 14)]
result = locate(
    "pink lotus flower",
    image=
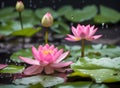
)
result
[(2, 66), (83, 32), (47, 58)]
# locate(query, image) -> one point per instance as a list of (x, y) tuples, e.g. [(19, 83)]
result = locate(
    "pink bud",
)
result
[(47, 20), (19, 6)]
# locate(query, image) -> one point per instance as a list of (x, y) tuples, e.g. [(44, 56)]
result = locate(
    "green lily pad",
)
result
[(12, 69), (12, 86), (46, 81), (41, 12), (23, 52), (107, 15), (60, 28), (27, 32), (81, 85), (7, 13), (62, 11), (78, 15), (101, 70)]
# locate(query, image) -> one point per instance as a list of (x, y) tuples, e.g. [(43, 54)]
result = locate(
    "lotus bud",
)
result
[(47, 20), (19, 6)]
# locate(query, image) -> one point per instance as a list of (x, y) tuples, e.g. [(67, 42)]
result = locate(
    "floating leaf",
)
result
[(41, 12), (78, 15), (12, 69), (62, 10), (60, 28), (46, 81), (101, 70), (12, 86), (28, 32), (81, 85), (107, 15), (7, 13), (28, 16), (23, 52)]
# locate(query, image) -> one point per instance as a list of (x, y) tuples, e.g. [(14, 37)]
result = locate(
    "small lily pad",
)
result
[(12, 69), (23, 52), (46, 81), (27, 32)]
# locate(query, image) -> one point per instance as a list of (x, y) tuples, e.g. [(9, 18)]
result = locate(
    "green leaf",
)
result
[(101, 70), (12, 69), (46, 81), (28, 16), (107, 15), (103, 52), (27, 32), (78, 15), (75, 85), (12, 86), (41, 12), (38, 85), (7, 14), (62, 10), (60, 28), (81, 85), (24, 52)]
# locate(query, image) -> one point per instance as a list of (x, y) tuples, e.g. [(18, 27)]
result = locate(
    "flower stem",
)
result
[(82, 48), (21, 23), (46, 36), (20, 17)]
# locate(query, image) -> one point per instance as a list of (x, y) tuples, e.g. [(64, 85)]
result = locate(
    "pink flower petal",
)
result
[(74, 31), (96, 36), (91, 33), (33, 70), (60, 65), (51, 47), (57, 54), (3, 66), (29, 61), (35, 53), (62, 57), (49, 70), (72, 38)]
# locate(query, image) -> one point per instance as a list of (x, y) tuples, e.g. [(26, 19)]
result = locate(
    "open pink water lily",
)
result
[(83, 32), (47, 58), (3, 66)]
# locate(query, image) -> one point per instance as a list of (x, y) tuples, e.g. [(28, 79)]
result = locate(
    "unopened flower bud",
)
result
[(47, 20), (19, 6)]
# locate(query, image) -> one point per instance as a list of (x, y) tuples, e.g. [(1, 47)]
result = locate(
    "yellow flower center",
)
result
[(46, 52), (77, 39)]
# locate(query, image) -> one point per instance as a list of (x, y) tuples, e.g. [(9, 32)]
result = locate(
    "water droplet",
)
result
[(103, 24), (72, 17), (106, 26)]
